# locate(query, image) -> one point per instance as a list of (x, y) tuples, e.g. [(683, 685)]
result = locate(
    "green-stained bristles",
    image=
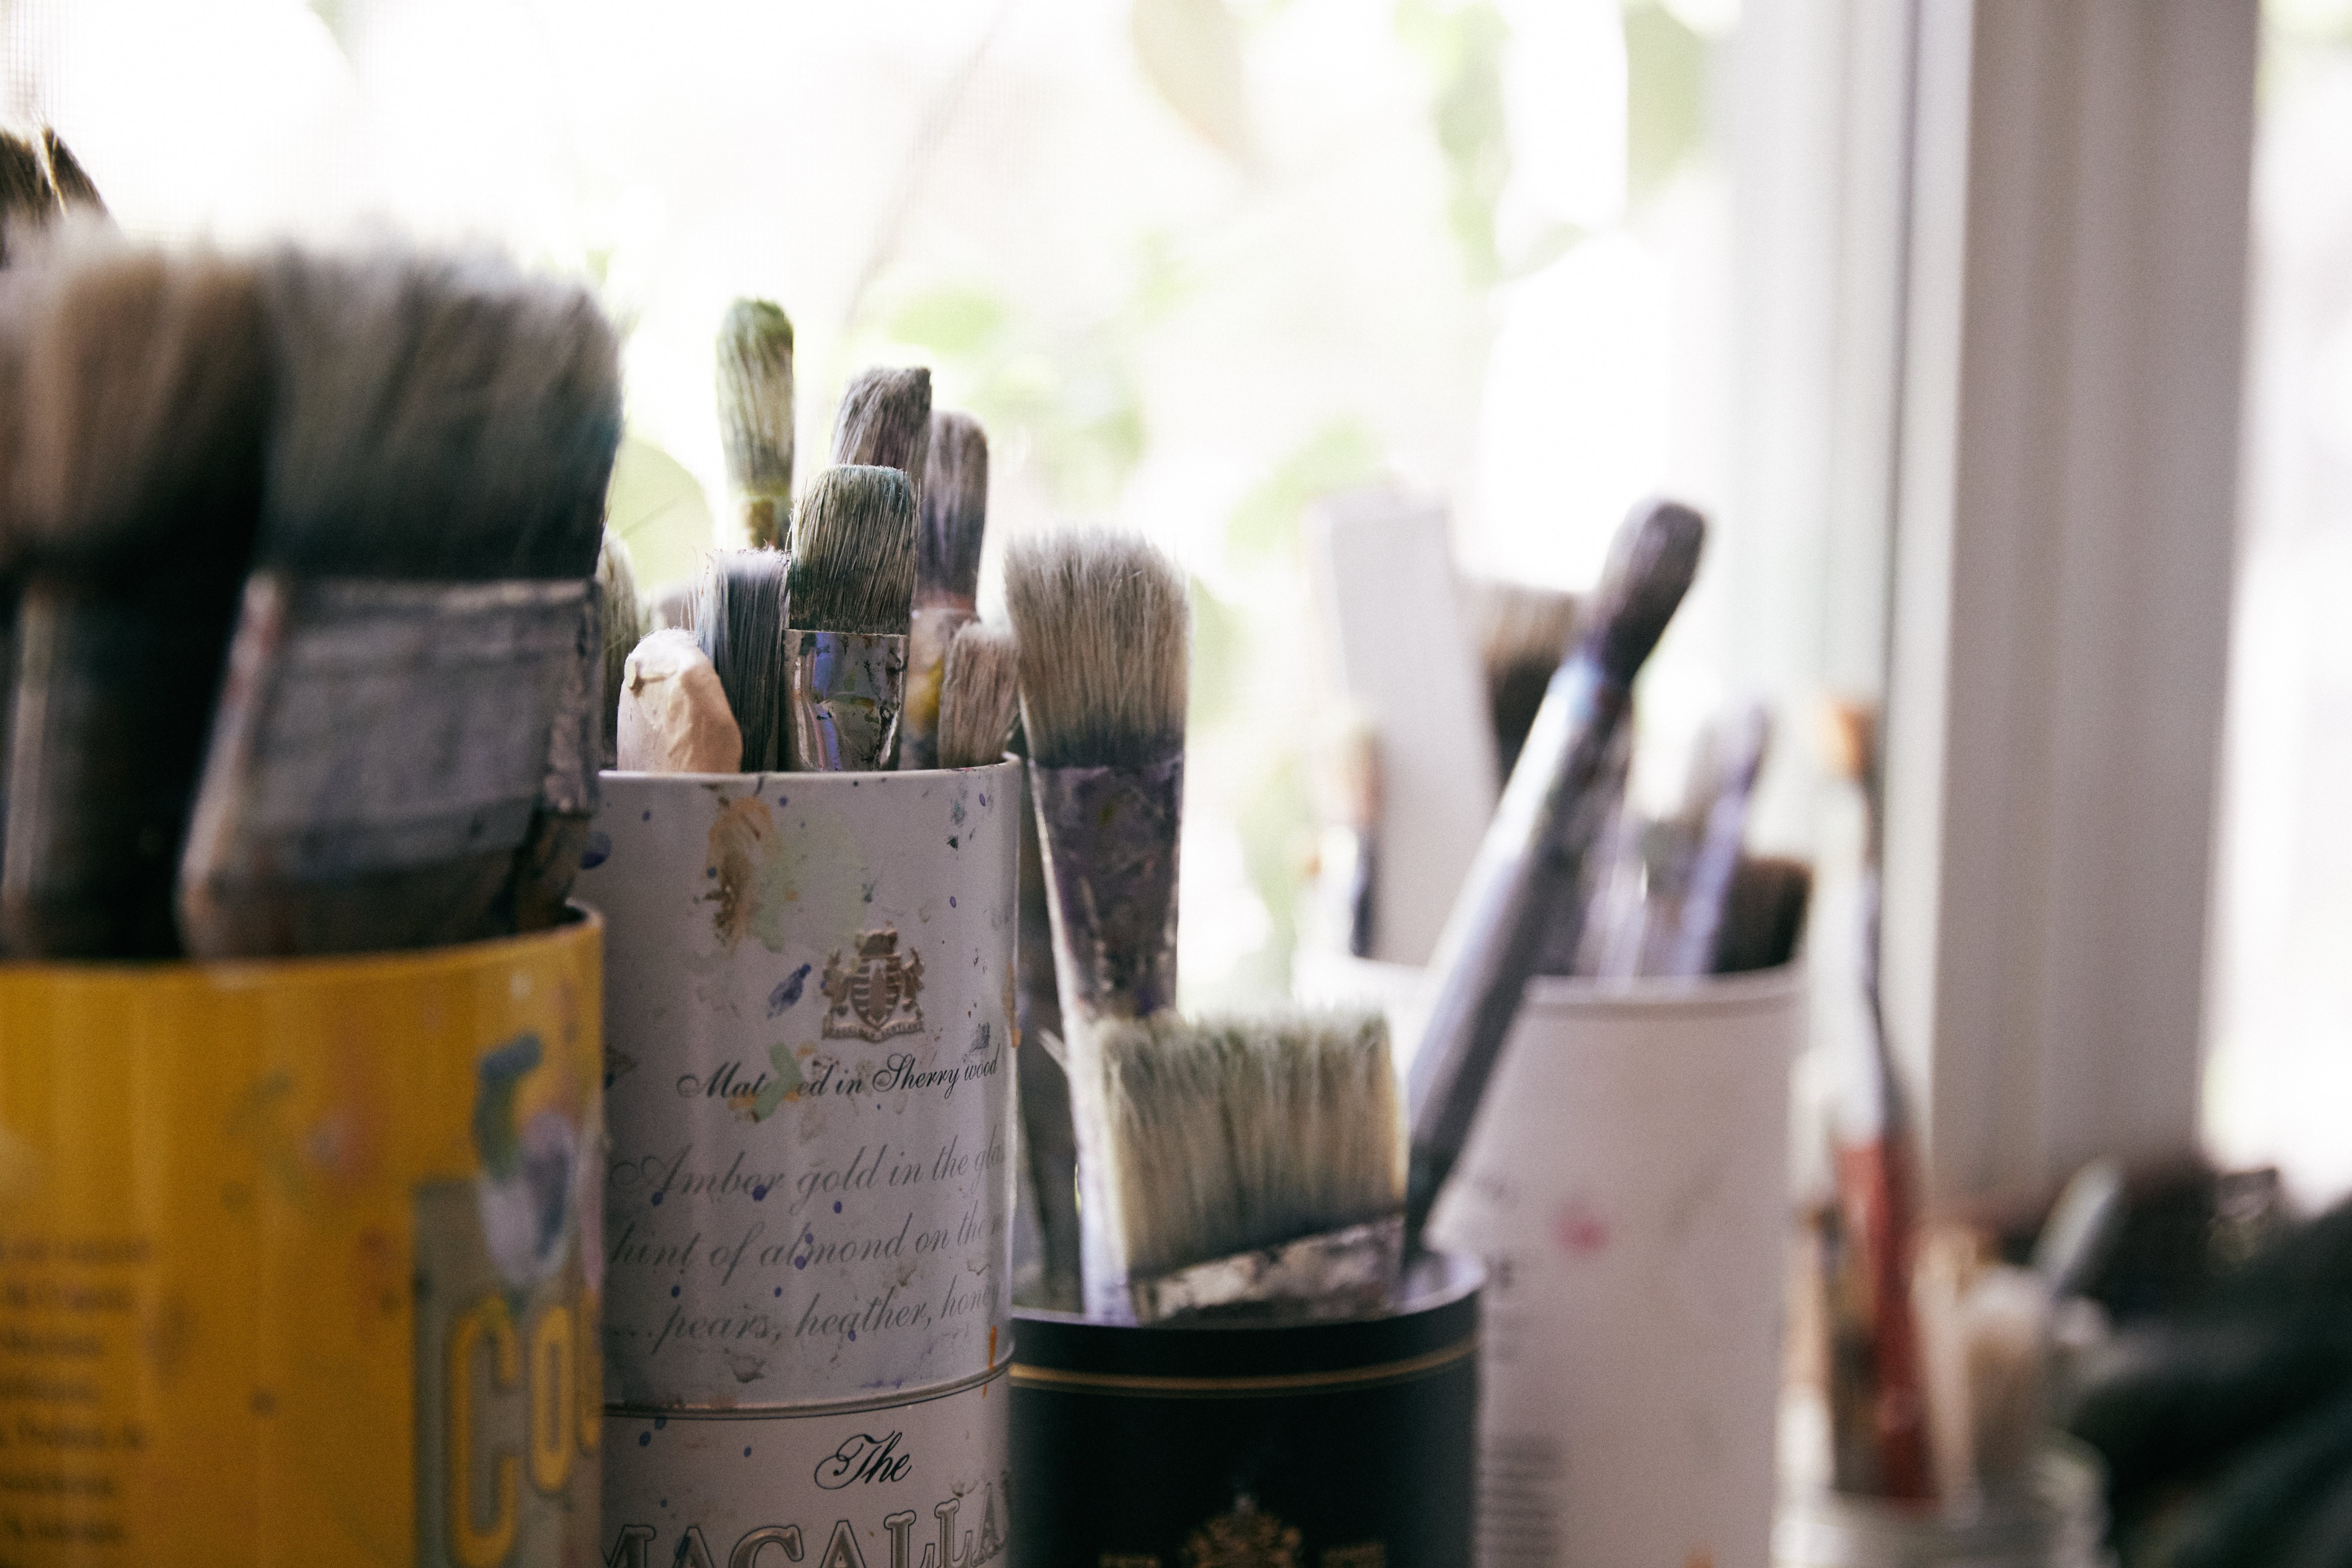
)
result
[(885, 420), (854, 552), (755, 414), (1106, 639), (978, 696), (954, 512), (1230, 1134)]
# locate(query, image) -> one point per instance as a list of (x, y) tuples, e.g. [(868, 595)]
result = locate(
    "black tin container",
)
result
[(1347, 1444)]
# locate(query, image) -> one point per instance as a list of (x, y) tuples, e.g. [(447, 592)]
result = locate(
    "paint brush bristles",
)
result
[(624, 625), (954, 512), (440, 420), (1105, 639), (853, 589), (854, 552), (978, 697), (755, 415), (1524, 634), (134, 489), (1227, 1135), (739, 621), (885, 421)]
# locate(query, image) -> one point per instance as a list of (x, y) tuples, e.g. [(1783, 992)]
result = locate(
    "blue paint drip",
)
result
[(787, 992), (599, 849)]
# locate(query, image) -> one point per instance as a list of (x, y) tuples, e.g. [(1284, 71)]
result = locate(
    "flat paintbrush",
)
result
[(952, 525), (436, 463), (1532, 857), (739, 618), (980, 696), (755, 415), (1252, 1167), (885, 421), (136, 487), (1105, 638), (853, 591)]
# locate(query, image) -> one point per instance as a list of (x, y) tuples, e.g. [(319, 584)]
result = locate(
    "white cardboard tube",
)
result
[(1626, 1185)]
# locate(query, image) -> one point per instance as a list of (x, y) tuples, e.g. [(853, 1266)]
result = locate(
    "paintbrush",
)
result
[(39, 182), (624, 624), (1531, 861), (1875, 1169), (755, 415), (548, 859), (442, 437), (1249, 1167), (885, 421), (673, 716), (143, 387), (1105, 637), (1524, 632), (739, 618), (1714, 821), (852, 590), (954, 522), (74, 187), (1346, 858), (979, 696)]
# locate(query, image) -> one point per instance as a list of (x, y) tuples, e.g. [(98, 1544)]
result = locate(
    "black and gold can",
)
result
[(1347, 1443)]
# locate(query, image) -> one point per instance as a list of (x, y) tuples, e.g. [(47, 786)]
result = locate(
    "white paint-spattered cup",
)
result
[(809, 1187)]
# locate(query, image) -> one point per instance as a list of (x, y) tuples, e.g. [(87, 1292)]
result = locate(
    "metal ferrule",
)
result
[(1110, 838), (1336, 1274), (372, 732), (934, 626), (847, 691)]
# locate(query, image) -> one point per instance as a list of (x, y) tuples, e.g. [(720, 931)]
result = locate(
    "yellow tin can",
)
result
[(299, 1260)]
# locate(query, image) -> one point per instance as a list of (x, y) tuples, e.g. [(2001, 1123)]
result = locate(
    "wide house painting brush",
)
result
[(952, 525), (1104, 629), (1532, 858), (143, 389), (851, 592), (1252, 1167), (437, 456), (885, 421), (755, 417)]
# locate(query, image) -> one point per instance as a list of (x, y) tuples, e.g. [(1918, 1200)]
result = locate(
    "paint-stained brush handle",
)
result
[(1532, 857)]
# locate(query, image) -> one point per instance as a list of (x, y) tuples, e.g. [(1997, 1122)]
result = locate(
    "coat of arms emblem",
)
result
[(1243, 1539), (874, 997)]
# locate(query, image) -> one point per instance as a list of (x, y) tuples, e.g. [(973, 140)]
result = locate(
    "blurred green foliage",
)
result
[(1463, 47), (1665, 100)]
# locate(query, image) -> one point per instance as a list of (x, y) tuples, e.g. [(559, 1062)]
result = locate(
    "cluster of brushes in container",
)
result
[(846, 636), (1264, 1167), (299, 552)]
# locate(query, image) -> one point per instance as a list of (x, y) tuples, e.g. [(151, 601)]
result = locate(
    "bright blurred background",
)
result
[(1197, 262)]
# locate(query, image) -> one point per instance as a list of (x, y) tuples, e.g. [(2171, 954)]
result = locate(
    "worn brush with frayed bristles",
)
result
[(1104, 634), (755, 415), (885, 421), (1106, 643), (72, 183), (399, 723), (624, 625), (853, 594), (28, 200), (739, 620), (1521, 888), (979, 698), (143, 389), (1252, 1166), (1524, 634), (953, 525)]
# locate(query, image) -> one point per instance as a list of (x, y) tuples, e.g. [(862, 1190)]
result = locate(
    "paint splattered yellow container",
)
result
[(297, 1260)]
